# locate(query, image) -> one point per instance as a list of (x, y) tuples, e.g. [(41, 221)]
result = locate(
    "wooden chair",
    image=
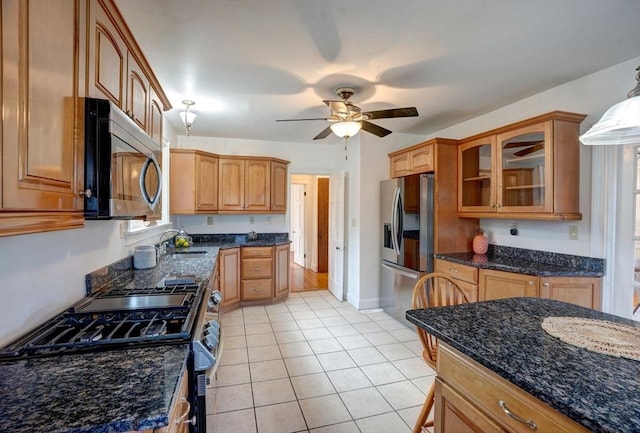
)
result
[(433, 290)]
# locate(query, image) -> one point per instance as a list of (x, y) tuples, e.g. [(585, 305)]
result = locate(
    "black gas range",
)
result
[(129, 317)]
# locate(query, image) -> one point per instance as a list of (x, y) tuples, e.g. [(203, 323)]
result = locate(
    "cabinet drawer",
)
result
[(248, 252), (457, 271), (485, 390), (256, 268), (256, 289)]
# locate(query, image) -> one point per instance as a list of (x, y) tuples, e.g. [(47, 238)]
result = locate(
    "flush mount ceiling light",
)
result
[(620, 124), (346, 129), (187, 116)]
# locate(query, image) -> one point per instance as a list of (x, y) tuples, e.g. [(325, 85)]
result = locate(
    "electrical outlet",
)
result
[(252, 220), (209, 220), (573, 232)]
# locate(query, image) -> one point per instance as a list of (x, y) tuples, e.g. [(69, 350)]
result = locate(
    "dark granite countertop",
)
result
[(530, 262), (114, 391), (600, 392)]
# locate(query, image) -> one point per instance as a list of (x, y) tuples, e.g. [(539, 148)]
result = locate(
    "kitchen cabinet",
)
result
[(281, 254), (486, 284), (256, 273), (246, 185), (193, 182), (229, 268), (180, 412), (526, 170), (257, 184), (499, 284), (575, 290), (42, 164), (279, 186), (117, 69), (413, 160), (451, 232), (465, 277), (470, 398)]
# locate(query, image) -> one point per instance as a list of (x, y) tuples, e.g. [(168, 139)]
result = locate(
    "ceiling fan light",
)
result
[(346, 129)]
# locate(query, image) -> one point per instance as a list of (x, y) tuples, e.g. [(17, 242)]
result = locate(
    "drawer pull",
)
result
[(532, 425), (453, 270), (255, 268)]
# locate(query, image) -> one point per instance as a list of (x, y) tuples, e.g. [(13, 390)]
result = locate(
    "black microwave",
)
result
[(123, 177)]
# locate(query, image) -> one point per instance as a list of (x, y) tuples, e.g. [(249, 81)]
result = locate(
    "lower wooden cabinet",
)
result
[(251, 275), (498, 284), (281, 281), (486, 284), (180, 412), (229, 266), (466, 277), (575, 290), (470, 398)]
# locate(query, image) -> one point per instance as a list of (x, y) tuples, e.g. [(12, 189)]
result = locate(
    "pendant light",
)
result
[(620, 124), (187, 116)]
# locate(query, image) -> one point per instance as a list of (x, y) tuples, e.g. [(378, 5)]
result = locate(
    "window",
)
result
[(636, 234)]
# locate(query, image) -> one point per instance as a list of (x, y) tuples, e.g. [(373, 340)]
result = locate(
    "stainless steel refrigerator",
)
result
[(406, 217)]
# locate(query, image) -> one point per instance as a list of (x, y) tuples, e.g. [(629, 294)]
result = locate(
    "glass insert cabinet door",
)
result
[(524, 165), (477, 169)]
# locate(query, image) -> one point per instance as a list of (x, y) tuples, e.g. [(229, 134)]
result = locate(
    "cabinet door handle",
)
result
[(546, 285), (183, 418), (532, 425), (531, 283)]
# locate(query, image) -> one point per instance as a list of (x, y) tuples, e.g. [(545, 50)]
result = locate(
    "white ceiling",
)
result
[(247, 63)]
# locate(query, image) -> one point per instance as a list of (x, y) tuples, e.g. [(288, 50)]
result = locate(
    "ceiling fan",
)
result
[(344, 112)]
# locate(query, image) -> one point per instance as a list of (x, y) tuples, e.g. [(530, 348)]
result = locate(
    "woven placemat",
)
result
[(600, 336)]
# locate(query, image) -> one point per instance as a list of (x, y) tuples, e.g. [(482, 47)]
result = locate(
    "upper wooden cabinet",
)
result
[(117, 69), (279, 186), (439, 155), (248, 185), (413, 160), (42, 160), (193, 182), (527, 170)]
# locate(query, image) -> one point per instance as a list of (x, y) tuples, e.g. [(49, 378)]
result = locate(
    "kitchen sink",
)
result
[(190, 252)]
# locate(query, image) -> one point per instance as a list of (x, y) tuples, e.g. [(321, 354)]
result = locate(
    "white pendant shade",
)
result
[(346, 129), (187, 117), (620, 124)]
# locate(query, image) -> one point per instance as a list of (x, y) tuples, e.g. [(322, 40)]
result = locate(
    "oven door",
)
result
[(206, 350)]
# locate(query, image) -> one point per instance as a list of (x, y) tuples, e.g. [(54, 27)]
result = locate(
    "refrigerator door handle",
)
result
[(395, 222), (401, 270)]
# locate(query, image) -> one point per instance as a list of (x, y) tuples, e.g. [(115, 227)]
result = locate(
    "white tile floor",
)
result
[(313, 364)]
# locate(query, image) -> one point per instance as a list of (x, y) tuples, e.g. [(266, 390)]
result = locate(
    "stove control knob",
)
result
[(211, 341)]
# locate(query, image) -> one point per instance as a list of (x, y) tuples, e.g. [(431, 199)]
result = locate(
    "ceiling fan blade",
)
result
[(522, 144), (529, 150), (337, 106), (375, 129), (323, 134), (393, 112), (297, 120)]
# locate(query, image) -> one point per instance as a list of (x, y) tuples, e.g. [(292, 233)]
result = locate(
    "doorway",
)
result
[(309, 229)]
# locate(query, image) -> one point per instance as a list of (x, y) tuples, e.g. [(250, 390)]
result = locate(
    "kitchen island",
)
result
[(599, 392)]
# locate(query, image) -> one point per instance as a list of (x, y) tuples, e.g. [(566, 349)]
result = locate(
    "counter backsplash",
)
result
[(565, 260)]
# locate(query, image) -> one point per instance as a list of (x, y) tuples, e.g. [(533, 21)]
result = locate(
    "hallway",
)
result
[(304, 279)]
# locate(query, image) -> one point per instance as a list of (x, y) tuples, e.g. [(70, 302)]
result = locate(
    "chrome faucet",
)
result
[(163, 244)]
